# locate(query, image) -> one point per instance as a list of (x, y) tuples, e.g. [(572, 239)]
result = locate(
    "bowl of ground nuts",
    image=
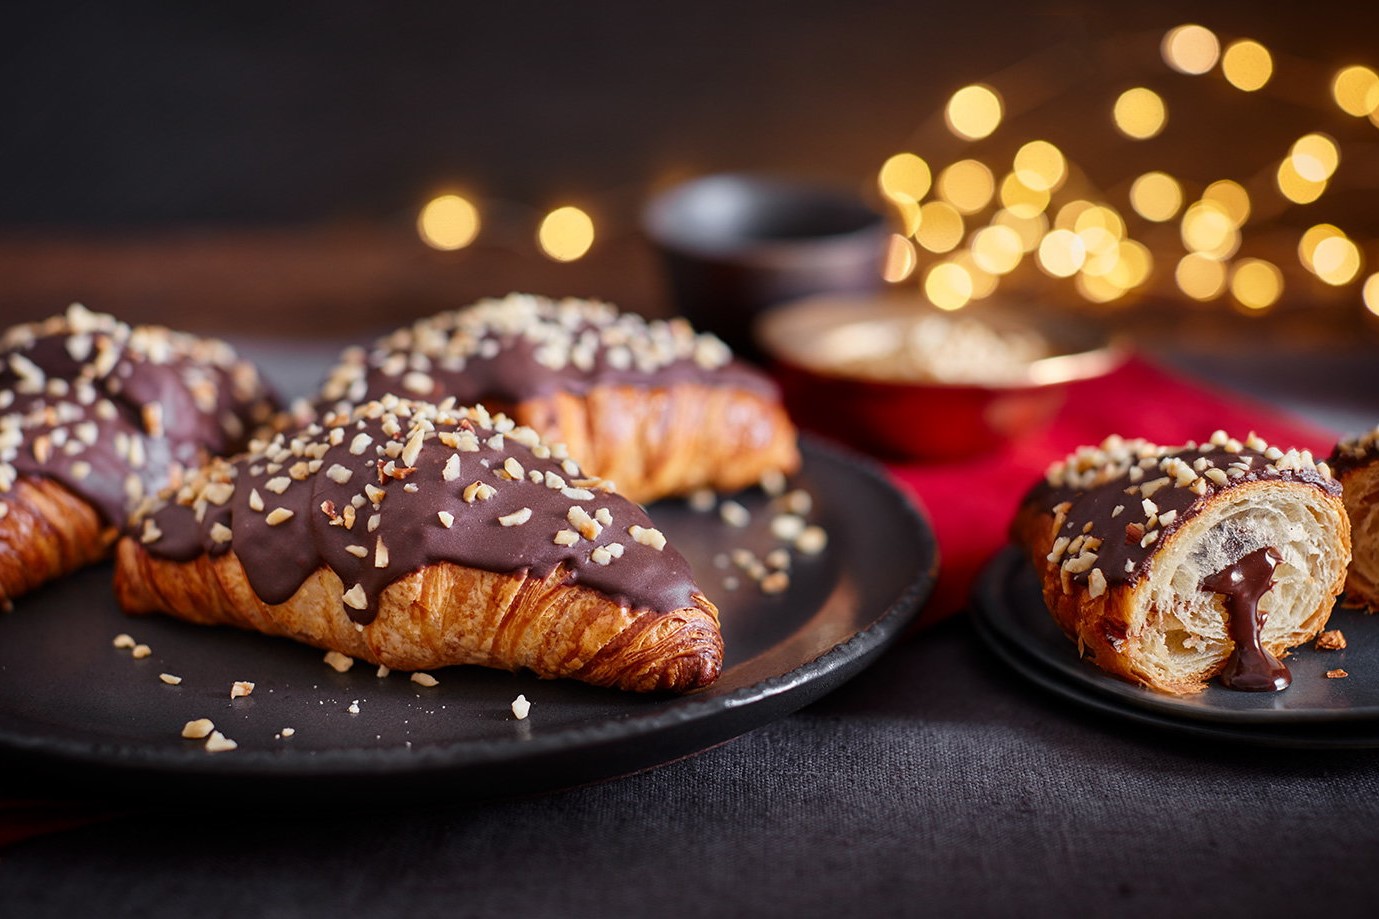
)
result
[(914, 382)]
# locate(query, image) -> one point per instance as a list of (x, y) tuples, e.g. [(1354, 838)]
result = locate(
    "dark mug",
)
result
[(734, 244)]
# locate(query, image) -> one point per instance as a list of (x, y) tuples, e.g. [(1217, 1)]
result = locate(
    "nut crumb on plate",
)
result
[(520, 707), (339, 662), (1337, 674), (141, 651), (424, 679), (219, 743), (124, 641), (196, 730), (241, 688), (170, 679)]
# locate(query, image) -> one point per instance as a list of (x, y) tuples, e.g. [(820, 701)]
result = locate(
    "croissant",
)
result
[(97, 414), (652, 406), (416, 536), (1356, 464), (1173, 565)]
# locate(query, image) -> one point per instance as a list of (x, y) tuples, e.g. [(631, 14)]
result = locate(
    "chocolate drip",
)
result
[(1241, 585)]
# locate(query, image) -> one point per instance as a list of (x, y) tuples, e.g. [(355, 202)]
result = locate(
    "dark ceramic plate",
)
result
[(73, 705), (1315, 711)]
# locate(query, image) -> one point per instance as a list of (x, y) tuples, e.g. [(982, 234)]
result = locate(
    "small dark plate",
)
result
[(71, 705), (1315, 711)]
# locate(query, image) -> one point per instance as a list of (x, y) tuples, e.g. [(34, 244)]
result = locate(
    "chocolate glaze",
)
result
[(278, 559), (524, 347), (74, 392), (1241, 585), (1121, 553), (1353, 452)]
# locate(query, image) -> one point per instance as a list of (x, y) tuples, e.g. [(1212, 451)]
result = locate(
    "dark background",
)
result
[(137, 114)]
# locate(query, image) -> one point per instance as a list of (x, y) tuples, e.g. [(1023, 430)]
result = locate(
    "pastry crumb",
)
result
[(141, 651), (734, 514), (241, 688), (339, 662), (219, 743), (170, 679), (1337, 674), (124, 641), (520, 707), (424, 679), (195, 730), (1331, 640)]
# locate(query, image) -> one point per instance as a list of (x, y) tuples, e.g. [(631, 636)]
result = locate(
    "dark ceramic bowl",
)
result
[(733, 244), (911, 419)]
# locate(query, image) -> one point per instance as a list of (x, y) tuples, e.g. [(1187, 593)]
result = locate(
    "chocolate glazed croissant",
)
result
[(419, 536), (651, 406), (1173, 565), (97, 414), (1356, 463)]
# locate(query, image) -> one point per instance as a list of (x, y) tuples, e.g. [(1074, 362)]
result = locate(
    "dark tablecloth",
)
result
[(936, 783)]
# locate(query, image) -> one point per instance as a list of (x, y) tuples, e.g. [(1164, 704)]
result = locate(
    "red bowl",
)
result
[(921, 420)]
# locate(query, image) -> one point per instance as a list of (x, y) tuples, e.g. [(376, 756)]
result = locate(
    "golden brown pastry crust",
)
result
[(1356, 461), (1166, 633), (447, 614), (668, 440), (45, 533)]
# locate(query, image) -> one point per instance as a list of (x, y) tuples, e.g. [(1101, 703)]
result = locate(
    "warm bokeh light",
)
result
[(948, 286), (984, 283), (1097, 289), (1040, 166), (1103, 251), (448, 222), (1208, 229), (1134, 265), (1191, 49), (907, 212), (1314, 157), (940, 227), (1256, 284), (1336, 260), (1200, 277), (1066, 218), (1156, 196), (1140, 113), (904, 178), (974, 112), (967, 185), (1231, 197), (1029, 229), (900, 259), (1062, 253), (1356, 91), (997, 249), (566, 234), (1021, 200), (1307, 246), (1371, 294), (1247, 65), (1099, 215), (1296, 188)]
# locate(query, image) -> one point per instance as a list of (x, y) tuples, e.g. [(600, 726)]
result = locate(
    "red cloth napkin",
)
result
[(972, 502)]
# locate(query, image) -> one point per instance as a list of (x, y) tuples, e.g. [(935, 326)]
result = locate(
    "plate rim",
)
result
[(1275, 728), (776, 695)]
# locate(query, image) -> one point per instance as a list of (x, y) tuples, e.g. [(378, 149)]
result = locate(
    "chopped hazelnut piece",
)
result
[(647, 536), (1337, 674), (170, 679), (734, 514), (219, 743), (516, 518), (812, 541), (124, 641), (198, 729), (339, 662), (520, 707), (278, 515), (141, 651), (424, 679), (241, 688)]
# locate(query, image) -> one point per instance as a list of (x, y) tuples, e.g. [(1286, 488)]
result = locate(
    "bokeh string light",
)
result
[(981, 221)]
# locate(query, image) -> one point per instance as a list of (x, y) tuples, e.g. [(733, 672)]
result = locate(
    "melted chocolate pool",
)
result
[(1241, 585)]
